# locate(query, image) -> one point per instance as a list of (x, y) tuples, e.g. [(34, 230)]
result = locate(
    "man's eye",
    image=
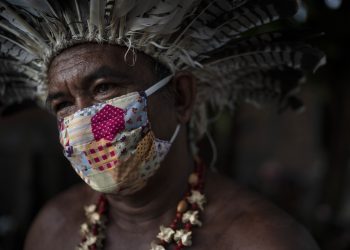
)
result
[(59, 107), (102, 88)]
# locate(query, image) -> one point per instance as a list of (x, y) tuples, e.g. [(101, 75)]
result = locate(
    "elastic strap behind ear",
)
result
[(158, 85)]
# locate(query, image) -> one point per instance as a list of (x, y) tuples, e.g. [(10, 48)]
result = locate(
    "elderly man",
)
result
[(130, 83)]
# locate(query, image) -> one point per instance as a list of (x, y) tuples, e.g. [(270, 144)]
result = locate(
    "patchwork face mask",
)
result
[(111, 145)]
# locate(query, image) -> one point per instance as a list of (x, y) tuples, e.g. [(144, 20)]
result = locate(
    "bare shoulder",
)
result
[(245, 220), (57, 224)]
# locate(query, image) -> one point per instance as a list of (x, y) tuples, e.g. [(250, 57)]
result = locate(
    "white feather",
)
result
[(79, 24), (120, 10), (17, 33), (18, 22), (163, 18), (69, 22), (123, 7), (15, 51), (9, 65), (173, 23), (151, 24), (97, 14), (182, 34), (38, 5), (142, 7), (20, 44), (164, 7)]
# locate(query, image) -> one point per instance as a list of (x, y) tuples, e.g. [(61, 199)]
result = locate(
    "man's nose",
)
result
[(84, 101)]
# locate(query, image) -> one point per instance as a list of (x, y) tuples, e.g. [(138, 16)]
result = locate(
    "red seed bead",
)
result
[(179, 246), (178, 215), (188, 226)]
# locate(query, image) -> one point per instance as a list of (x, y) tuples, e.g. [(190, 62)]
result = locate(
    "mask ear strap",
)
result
[(158, 85), (177, 130)]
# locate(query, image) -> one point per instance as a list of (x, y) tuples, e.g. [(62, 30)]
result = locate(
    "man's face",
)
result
[(90, 73)]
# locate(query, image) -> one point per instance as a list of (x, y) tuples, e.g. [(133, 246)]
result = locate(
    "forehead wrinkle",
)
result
[(58, 87), (73, 67), (77, 62), (66, 71)]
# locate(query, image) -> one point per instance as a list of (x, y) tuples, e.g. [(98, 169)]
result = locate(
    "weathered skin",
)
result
[(234, 218)]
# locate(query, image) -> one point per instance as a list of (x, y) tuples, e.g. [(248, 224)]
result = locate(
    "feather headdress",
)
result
[(211, 38)]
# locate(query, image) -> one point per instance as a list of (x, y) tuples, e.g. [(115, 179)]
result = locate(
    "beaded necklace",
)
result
[(179, 232)]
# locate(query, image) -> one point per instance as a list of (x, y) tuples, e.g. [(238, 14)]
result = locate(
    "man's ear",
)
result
[(185, 88)]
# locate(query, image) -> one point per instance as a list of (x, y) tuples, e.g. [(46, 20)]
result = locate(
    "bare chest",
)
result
[(205, 237)]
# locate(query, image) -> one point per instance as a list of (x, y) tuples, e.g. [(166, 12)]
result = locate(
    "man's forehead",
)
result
[(86, 63), (86, 55), (84, 58)]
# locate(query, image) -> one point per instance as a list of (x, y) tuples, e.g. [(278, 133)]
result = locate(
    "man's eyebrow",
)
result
[(105, 71), (53, 96)]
